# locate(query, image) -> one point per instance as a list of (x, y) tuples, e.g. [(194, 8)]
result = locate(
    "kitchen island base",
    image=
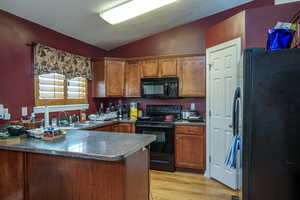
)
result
[(33, 176)]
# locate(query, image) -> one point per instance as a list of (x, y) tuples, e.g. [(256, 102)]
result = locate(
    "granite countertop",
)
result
[(87, 145), (187, 123), (127, 121), (98, 124)]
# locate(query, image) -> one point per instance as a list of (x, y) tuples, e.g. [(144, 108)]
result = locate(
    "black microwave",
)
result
[(159, 87)]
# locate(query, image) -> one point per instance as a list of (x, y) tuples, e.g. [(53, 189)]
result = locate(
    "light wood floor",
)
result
[(186, 186)]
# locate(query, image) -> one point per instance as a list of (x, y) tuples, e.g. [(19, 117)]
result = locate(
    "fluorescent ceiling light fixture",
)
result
[(132, 9)]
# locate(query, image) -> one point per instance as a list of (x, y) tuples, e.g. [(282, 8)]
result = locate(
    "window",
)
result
[(77, 88), (51, 86), (55, 89)]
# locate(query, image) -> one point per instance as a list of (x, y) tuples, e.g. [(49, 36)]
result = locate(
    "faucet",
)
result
[(67, 119)]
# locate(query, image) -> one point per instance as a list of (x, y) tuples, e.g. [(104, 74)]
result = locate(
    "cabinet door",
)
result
[(192, 76), (116, 128), (190, 152), (133, 79), (125, 128), (98, 82), (114, 78), (12, 175), (168, 67), (150, 68)]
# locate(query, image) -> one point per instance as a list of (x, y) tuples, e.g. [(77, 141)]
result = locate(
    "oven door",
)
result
[(162, 150)]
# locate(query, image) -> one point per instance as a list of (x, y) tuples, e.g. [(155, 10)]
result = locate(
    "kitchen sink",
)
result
[(81, 125)]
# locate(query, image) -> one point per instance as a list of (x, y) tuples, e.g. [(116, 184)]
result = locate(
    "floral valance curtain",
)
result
[(50, 60)]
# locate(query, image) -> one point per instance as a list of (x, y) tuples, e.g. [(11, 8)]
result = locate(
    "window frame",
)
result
[(65, 101)]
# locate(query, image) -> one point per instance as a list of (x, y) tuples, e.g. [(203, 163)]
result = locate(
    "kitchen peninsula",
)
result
[(85, 165)]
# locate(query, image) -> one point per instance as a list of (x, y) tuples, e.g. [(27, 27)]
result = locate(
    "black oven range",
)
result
[(162, 151)]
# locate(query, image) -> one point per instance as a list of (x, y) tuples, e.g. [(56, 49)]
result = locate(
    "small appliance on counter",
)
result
[(123, 110), (198, 118), (185, 115), (192, 116), (12, 134)]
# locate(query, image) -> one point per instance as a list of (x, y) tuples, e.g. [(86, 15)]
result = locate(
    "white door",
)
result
[(222, 80)]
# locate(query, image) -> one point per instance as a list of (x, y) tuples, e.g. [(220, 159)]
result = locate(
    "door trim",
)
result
[(235, 42)]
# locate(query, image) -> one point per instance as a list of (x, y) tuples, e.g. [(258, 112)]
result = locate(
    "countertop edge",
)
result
[(69, 154)]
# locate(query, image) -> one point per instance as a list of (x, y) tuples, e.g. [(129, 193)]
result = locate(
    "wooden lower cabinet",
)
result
[(124, 128), (190, 147), (33, 176), (12, 175), (105, 129), (118, 128)]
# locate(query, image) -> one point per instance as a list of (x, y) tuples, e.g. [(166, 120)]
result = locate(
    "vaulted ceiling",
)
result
[(79, 18)]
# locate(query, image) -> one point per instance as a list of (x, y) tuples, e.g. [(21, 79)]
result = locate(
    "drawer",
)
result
[(191, 130)]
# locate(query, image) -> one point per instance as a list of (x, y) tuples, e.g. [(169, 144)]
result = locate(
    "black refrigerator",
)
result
[(270, 124)]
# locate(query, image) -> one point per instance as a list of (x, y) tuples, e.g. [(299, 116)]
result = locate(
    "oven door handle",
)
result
[(151, 126)]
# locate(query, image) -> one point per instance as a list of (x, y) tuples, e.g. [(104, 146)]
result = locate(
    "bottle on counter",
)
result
[(120, 109), (133, 111), (82, 115)]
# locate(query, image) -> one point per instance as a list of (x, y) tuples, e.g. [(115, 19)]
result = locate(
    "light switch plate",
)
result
[(24, 111), (5, 111), (1, 111), (7, 116)]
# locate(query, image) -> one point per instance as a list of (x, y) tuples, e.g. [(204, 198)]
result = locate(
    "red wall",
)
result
[(259, 20), (231, 28), (186, 39), (251, 25), (16, 80)]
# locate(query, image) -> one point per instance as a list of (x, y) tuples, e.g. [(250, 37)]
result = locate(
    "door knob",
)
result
[(230, 126)]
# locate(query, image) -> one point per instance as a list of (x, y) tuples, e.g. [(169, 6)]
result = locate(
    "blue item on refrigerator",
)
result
[(231, 158), (279, 39)]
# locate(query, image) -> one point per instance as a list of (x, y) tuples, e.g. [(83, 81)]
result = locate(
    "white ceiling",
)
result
[(284, 1), (79, 18)]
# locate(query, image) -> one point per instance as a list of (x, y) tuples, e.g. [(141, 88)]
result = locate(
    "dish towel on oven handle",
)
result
[(231, 158)]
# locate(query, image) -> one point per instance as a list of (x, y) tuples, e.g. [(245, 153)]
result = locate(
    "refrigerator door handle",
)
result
[(235, 110)]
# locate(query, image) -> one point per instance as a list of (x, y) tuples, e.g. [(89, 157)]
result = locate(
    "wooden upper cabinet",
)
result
[(150, 68), (132, 79), (192, 76), (114, 78), (98, 83), (108, 78), (168, 67)]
